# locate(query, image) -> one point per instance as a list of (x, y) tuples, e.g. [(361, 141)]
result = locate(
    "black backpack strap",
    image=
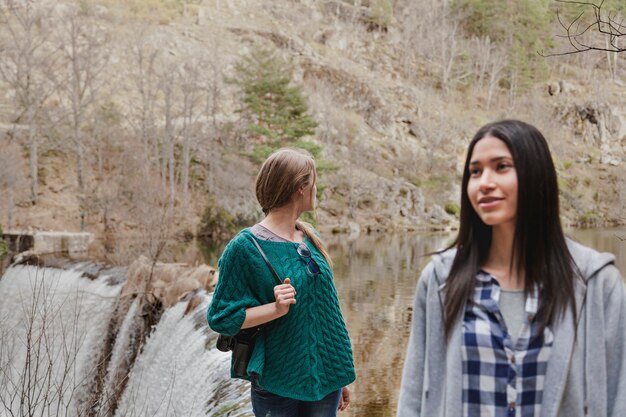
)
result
[(267, 261)]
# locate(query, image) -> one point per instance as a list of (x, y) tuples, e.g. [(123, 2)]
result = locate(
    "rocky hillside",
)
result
[(392, 125)]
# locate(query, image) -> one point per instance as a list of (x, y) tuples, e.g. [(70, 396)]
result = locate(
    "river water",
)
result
[(53, 335)]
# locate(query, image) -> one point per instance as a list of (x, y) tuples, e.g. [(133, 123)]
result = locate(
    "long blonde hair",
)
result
[(282, 174)]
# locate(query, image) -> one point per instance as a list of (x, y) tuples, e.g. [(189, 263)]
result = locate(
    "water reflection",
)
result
[(376, 277), (611, 240)]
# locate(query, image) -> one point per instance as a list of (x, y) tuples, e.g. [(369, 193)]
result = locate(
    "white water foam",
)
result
[(52, 323), (178, 373)]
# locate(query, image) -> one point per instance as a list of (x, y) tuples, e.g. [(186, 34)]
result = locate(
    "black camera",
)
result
[(242, 345), (242, 352), (225, 343)]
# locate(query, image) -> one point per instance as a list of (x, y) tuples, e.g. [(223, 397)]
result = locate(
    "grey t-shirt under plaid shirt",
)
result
[(512, 306), (502, 378)]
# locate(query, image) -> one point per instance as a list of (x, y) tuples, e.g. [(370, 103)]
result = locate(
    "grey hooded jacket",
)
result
[(586, 373)]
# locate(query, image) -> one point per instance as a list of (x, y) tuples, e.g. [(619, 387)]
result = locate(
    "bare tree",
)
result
[(489, 62), (103, 193), (170, 134), (213, 96), (146, 56), (27, 59), (440, 43), (582, 32), (10, 175), (449, 49), (86, 57), (183, 89), (194, 85), (214, 88), (180, 91)]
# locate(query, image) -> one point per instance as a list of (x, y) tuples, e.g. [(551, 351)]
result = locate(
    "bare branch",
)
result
[(607, 24)]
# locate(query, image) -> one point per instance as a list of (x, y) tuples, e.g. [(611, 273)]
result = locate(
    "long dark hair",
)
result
[(539, 248)]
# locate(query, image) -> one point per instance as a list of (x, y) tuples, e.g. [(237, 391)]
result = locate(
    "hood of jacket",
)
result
[(587, 260)]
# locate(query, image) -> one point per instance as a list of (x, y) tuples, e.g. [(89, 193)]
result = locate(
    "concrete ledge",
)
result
[(74, 244)]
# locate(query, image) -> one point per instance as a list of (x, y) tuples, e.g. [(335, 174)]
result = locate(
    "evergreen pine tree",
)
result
[(275, 109)]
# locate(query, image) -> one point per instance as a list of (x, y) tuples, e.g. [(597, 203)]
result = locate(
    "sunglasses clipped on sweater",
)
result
[(312, 268)]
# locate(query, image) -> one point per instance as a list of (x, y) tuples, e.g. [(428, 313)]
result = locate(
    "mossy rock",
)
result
[(216, 222), (452, 208), (589, 219)]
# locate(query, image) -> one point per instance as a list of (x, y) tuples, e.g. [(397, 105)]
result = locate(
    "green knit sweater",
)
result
[(305, 354)]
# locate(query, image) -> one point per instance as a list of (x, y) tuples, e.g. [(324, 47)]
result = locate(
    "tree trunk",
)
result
[(34, 157), (186, 160), (34, 168), (100, 161), (208, 177), (617, 56), (169, 138), (610, 59), (10, 207), (80, 170), (171, 171), (145, 141), (492, 85), (160, 160), (513, 89)]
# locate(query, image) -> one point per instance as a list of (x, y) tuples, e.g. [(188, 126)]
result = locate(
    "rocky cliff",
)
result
[(392, 134)]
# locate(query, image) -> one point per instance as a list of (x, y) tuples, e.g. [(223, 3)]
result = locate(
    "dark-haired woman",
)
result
[(514, 319), (302, 359)]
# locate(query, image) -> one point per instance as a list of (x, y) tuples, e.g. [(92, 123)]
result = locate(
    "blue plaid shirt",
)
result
[(502, 379)]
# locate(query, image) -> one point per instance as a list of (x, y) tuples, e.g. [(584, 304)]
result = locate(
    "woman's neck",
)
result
[(501, 261), (282, 221)]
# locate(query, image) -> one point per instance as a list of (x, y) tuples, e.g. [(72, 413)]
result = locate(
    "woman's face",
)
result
[(492, 186)]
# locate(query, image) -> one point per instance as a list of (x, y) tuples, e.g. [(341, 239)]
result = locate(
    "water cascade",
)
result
[(81, 340)]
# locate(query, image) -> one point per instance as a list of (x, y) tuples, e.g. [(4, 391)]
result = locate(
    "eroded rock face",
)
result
[(169, 283), (600, 125), (373, 203)]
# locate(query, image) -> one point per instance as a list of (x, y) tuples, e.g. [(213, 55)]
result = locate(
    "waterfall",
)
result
[(181, 373), (65, 338)]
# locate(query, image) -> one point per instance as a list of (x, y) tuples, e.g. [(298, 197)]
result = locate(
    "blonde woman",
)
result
[(302, 359)]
